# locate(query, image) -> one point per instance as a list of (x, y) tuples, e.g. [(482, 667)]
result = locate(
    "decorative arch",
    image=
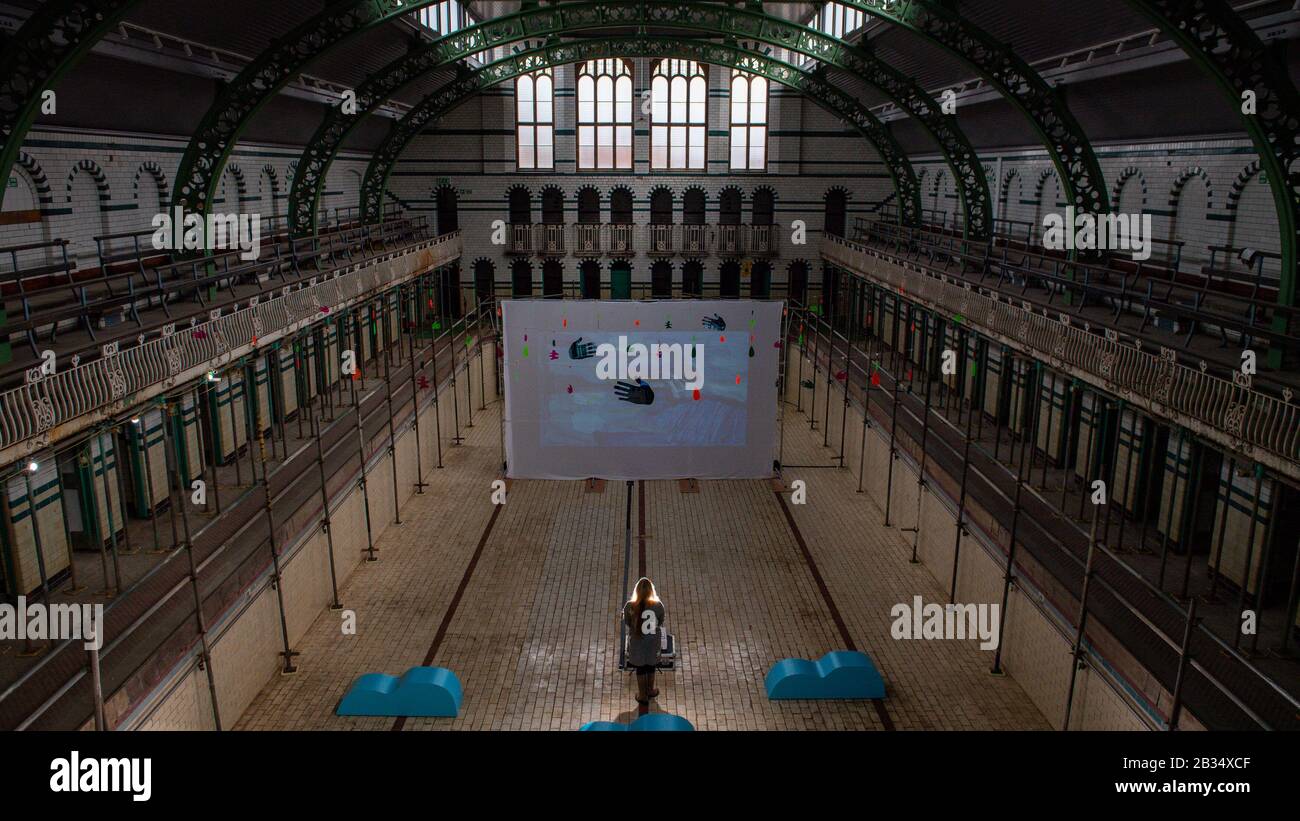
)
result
[(588, 201), (485, 272), (153, 170), (97, 174), (1041, 183), (835, 219), (695, 205), (731, 205), (553, 204), (1186, 176), (1132, 172), (762, 205), (621, 203), (519, 204), (1004, 192), (1244, 176), (36, 174), (241, 186), (663, 204)]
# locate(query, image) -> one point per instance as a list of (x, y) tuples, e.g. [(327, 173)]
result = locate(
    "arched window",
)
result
[(693, 206), (535, 120), (661, 207), (661, 279), (763, 210), (797, 285), (521, 276), (589, 270), (484, 276), (620, 206), (748, 122), (836, 212), (588, 206), (760, 279), (552, 279), (552, 206), (692, 278), (521, 206), (678, 103), (448, 219), (729, 280), (604, 115), (729, 206)]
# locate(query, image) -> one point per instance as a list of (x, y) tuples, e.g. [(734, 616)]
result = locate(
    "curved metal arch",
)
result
[(814, 87), (1071, 153), (1226, 47), (304, 199), (35, 59)]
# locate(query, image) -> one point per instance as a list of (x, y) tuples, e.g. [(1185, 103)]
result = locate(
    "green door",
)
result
[(620, 281)]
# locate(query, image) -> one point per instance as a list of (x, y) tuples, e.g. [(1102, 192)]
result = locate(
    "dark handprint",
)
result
[(638, 394), (582, 350), (715, 323)]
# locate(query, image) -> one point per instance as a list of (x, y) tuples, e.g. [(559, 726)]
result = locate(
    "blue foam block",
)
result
[(420, 691), (840, 674), (651, 722)]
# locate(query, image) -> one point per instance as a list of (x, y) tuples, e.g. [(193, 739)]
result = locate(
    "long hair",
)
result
[(643, 596)]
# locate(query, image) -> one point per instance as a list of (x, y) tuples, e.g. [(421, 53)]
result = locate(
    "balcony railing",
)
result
[(660, 240), (730, 240), (519, 239), (761, 240), (550, 239), (695, 240), (620, 239), (586, 239)]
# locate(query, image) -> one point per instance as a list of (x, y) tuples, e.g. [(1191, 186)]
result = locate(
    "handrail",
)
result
[(1232, 413), (30, 414), (817, 322)]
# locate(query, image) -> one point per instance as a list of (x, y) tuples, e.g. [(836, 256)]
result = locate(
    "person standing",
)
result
[(644, 615)]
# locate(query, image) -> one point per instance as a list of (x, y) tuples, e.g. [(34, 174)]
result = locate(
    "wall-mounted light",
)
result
[(212, 376), (33, 466)]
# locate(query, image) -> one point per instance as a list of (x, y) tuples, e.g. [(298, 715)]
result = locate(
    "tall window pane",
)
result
[(748, 122), (679, 97), (604, 115), (535, 120)]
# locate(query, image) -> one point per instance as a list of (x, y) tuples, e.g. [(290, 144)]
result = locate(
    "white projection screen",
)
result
[(641, 390)]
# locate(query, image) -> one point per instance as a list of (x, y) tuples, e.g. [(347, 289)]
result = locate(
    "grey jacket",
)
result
[(643, 649)]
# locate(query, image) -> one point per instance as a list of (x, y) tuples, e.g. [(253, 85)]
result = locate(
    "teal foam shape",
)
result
[(651, 722), (420, 691), (840, 674)]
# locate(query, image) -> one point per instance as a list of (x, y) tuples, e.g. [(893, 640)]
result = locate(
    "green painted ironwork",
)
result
[(1081, 177), (972, 188), (814, 86), (1225, 45), (43, 50)]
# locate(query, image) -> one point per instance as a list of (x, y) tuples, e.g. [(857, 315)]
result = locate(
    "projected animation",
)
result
[(634, 390), (647, 389)]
